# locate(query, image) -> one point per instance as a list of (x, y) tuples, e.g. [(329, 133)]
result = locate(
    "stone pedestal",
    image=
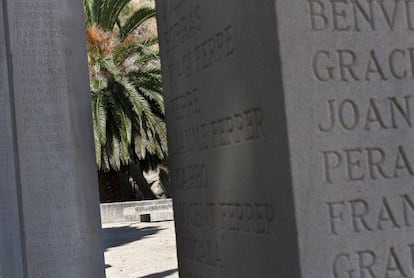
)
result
[(49, 217), (291, 141)]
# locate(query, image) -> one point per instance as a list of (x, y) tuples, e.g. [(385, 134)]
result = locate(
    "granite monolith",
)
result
[(290, 129), (49, 217)]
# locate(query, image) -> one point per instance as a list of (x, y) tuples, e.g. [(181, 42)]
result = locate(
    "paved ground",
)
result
[(142, 250)]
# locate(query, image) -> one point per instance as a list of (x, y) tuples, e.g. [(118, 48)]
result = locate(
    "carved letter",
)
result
[(405, 114), (331, 117), (258, 117), (407, 204), (366, 260), (317, 11), (376, 163), (358, 215), (338, 14), (368, 17), (335, 215), (402, 163), (353, 161), (386, 215), (391, 61), (347, 64), (349, 123), (330, 164), (374, 67), (393, 265), (326, 72), (390, 21), (373, 115), (335, 270), (410, 24)]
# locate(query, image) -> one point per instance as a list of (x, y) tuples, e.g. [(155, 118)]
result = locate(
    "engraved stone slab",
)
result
[(155, 210), (290, 127), (53, 186), (11, 264)]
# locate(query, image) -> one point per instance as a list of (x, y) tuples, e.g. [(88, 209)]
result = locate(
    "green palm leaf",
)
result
[(108, 11), (127, 103), (89, 12), (135, 20), (99, 117)]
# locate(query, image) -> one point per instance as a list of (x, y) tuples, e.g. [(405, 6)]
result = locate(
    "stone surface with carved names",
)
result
[(51, 189), (291, 136), (11, 259)]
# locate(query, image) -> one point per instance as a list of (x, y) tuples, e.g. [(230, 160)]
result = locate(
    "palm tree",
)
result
[(127, 104), (106, 15)]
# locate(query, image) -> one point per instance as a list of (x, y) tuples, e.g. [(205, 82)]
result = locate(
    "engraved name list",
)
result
[(365, 99)]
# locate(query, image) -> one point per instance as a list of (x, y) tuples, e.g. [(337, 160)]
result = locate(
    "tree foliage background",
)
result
[(125, 76)]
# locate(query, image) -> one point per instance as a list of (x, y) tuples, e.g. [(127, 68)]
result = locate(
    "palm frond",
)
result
[(98, 149), (156, 97), (150, 41), (89, 12), (114, 153), (135, 20), (105, 165), (109, 11), (127, 102), (96, 10), (99, 117)]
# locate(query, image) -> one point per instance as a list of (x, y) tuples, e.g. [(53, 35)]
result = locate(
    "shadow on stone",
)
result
[(118, 236), (161, 274)]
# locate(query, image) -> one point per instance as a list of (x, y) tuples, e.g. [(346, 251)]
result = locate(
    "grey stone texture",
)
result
[(291, 141), (49, 218), (11, 264)]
